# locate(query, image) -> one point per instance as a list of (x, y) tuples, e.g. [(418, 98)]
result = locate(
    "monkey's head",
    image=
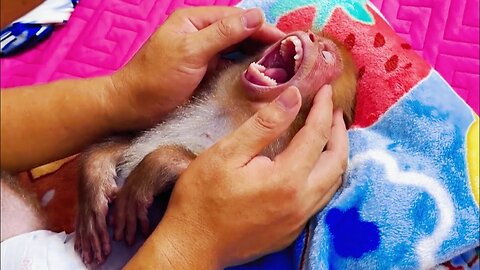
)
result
[(305, 60)]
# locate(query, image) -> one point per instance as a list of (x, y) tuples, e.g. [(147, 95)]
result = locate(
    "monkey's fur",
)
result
[(146, 165)]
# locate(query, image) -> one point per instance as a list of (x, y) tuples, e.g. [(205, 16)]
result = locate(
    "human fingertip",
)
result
[(289, 98), (338, 113), (275, 31), (252, 18), (327, 88)]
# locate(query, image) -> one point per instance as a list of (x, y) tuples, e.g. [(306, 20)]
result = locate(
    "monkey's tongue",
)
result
[(278, 74), (263, 76), (279, 65)]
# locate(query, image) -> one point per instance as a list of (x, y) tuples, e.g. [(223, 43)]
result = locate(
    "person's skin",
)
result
[(231, 205), (48, 122)]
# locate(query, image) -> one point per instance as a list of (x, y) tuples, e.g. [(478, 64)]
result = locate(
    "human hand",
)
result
[(171, 64), (232, 205)]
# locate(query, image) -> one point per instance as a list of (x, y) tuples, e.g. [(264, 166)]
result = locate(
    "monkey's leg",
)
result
[(154, 174), (97, 187)]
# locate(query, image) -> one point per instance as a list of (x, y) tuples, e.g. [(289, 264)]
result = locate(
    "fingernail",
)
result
[(252, 18), (288, 99)]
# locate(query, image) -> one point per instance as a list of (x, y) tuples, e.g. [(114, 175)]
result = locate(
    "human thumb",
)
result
[(227, 31), (262, 128)]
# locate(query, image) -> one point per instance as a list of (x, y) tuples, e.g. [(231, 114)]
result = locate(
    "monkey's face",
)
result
[(302, 59)]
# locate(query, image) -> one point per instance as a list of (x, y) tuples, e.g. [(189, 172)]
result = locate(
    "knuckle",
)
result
[(298, 217), (222, 152), (290, 192), (299, 168), (224, 29), (187, 48), (341, 164), (265, 121), (323, 134), (322, 189)]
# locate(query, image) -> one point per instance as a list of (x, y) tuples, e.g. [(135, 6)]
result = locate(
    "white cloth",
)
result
[(40, 250)]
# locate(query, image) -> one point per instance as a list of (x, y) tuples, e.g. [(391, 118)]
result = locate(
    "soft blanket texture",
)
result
[(410, 197)]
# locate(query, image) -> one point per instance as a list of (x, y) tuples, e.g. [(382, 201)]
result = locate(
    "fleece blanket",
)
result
[(410, 195), (410, 198)]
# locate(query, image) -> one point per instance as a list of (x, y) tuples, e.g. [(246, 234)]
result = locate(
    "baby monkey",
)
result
[(133, 171)]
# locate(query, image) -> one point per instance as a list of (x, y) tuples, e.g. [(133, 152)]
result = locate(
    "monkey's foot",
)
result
[(131, 206), (92, 241)]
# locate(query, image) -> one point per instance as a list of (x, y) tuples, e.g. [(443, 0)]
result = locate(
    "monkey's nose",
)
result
[(312, 36)]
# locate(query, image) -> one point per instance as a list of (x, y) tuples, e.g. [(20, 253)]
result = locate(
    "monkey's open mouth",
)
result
[(278, 65), (301, 59)]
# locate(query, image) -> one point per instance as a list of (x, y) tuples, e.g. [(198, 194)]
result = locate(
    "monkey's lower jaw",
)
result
[(295, 60)]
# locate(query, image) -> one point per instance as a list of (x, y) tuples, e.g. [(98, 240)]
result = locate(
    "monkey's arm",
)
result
[(154, 174), (97, 187), (44, 123)]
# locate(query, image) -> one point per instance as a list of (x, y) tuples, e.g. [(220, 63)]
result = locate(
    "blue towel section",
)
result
[(289, 258), (406, 200)]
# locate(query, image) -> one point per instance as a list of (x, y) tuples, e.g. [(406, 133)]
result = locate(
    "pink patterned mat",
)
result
[(446, 33), (102, 35)]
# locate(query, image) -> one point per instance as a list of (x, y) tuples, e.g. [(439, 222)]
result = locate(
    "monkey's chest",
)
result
[(197, 129)]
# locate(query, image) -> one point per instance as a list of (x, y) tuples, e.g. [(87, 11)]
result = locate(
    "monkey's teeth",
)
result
[(258, 66), (298, 50), (257, 72)]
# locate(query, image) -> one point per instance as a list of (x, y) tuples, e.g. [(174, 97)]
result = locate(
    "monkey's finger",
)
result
[(307, 145), (95, 243), (111, 219), (142, 214), (261, 129), (131, 224), (78, 244), (86, 250), (225, 32), (103, 234), (119, 212)]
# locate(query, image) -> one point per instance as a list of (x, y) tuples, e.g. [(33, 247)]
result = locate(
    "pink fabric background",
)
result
[(446, 33), (102, 35)]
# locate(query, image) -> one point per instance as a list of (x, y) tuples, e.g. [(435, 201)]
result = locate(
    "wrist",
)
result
[(121, 111), (174, 245), (196, 247)]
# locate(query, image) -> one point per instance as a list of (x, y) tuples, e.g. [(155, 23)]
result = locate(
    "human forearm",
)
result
[(171, 247), (43, 123)]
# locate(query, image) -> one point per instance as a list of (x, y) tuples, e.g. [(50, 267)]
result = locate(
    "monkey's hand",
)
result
[(97, 188), (154, 174)]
